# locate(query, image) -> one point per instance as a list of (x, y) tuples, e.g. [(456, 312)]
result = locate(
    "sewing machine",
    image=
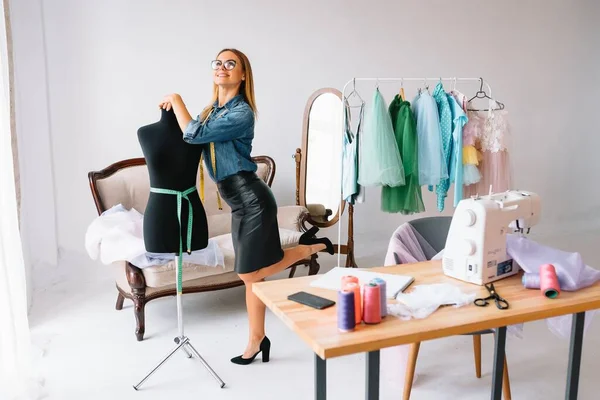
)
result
[(476, 244)]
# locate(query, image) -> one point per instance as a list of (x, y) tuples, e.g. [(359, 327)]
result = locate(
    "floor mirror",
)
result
[(318, 166)]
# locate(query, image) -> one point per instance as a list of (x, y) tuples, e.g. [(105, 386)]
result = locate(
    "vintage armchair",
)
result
[(127, 182)]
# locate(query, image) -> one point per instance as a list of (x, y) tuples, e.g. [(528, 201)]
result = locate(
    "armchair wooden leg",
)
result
[(410, 369), (137, 282), (506, 382), (477, 354), (139, 302), (120, 300), (313, 267)]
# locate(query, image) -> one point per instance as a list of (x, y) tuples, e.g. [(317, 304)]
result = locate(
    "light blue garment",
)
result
[(231, 129), (445, 115), (432, 169), (459, 120), (350, 187)]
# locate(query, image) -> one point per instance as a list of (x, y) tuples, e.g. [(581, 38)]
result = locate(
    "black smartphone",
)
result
[(311, 300)]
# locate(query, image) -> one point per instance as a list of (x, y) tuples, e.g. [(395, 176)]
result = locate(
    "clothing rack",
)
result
[(401, 80)]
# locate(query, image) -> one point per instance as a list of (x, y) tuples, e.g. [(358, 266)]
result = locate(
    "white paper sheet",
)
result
[(333, 280)]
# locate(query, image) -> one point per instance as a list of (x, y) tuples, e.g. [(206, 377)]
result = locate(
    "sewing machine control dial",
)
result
[(469, 217), (469, 247)]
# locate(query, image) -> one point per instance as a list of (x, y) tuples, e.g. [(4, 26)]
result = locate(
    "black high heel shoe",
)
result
[(265, 348), (309, 238)]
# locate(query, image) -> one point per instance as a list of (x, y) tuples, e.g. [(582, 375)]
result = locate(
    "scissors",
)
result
[(500, 302)]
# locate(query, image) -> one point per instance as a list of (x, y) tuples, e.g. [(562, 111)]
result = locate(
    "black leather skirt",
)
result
[(254, 228)]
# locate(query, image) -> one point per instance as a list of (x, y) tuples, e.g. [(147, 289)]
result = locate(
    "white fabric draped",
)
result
[(15, 343)]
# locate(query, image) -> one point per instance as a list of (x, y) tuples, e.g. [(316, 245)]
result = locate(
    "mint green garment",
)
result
[(379, 161), (405, 199)]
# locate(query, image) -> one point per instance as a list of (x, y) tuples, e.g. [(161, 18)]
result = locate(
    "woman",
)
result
[(226, 129)]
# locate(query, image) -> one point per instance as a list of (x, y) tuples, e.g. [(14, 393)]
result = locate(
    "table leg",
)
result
[(320, 378), (498, 373), (372, 378), (575, 356)]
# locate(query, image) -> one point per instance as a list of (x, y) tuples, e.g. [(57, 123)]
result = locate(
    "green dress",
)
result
[(406, 199)]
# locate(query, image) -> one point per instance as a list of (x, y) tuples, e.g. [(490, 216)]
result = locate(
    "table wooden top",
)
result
[(318, 328)]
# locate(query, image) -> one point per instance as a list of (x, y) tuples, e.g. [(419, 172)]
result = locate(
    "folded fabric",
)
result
[(423, 300), (118, 235)]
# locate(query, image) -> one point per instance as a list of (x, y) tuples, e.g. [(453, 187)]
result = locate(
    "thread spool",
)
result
[(549, 284), (349, 278), (382, 295), (531, 280), (345, 313), (372, 303), (354, 287)]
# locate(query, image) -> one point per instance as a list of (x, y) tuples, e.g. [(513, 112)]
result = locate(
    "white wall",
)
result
[(110, 62)]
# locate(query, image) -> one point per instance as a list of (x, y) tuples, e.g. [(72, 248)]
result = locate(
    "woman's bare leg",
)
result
[(290, 256), (255, 307), (256, 317)]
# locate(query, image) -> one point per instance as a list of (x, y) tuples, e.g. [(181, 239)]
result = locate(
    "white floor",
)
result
[(89, 351)]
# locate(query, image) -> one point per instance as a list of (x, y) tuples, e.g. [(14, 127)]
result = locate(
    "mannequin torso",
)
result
[(173, 165)]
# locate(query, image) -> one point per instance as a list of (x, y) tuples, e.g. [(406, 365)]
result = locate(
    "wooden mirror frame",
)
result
[(301, 157)]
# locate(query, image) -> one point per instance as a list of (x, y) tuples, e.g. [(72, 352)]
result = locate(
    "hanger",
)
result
[(402, 89), (481, 94), (355, 93)]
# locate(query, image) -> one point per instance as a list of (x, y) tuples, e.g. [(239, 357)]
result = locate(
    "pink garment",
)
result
[(471, 130), (460, 99), (407, 246), (490, 131)]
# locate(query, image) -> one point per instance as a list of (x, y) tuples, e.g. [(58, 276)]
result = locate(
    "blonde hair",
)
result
[(246, 87)]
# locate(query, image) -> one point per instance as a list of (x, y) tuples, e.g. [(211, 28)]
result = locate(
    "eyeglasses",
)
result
[(229, 64)]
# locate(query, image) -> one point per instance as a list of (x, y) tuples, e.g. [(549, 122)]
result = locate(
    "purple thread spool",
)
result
[(383, 298), (531, 280), (345, 311)]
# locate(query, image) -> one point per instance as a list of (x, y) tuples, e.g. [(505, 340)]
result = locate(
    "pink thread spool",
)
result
[(372, 303), (349, 278), (354, 287), (549, 284)]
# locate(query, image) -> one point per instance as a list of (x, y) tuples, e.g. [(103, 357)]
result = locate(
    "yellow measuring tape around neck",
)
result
[(213, 157)]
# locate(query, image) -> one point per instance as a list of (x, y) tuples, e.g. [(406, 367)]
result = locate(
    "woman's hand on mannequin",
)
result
[(175, 102)]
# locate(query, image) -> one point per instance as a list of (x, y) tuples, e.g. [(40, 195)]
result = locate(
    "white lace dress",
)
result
[(492, 134)]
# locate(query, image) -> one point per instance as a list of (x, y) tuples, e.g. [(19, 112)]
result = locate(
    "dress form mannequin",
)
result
[(172, 164)]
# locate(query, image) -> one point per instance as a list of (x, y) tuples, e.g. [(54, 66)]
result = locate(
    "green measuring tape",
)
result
[(180, 197)]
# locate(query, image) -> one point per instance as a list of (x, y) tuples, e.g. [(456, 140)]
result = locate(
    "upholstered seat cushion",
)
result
[(163, 275)]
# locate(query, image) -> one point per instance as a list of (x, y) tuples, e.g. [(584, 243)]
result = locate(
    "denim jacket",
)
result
[(231, 129)]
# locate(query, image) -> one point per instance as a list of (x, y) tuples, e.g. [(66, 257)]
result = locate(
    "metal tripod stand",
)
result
[(182, 341)]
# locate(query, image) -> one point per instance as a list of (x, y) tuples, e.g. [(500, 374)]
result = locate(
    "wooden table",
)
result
[(318, 328)]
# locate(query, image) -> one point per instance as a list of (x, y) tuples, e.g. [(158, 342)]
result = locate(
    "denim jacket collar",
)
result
[(235, 100)]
